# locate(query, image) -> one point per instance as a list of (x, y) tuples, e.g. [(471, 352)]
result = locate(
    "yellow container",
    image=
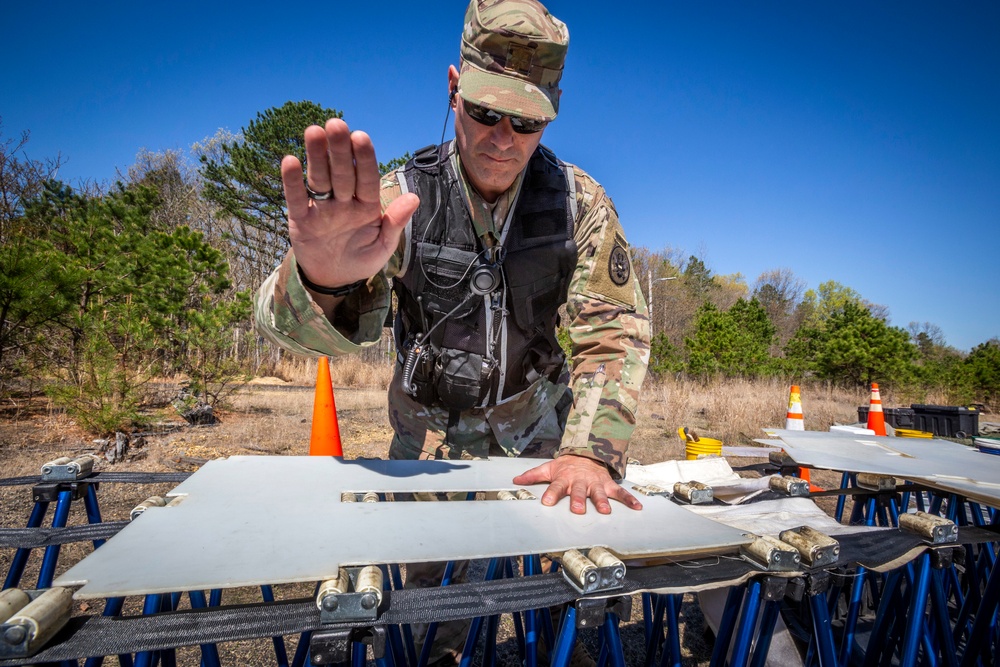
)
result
[(912, 433), (707, 446)]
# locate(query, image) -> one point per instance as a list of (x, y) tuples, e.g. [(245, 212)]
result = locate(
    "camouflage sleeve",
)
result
[(609, 334), (287, 316)]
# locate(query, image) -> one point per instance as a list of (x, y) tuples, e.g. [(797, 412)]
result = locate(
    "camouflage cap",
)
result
[(512, 57)]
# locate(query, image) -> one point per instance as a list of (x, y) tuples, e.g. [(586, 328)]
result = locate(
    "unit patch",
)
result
[(611, 274), (618, 265)]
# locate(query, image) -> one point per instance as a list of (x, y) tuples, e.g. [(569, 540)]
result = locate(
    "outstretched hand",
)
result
[(579, 478), (345, 238)]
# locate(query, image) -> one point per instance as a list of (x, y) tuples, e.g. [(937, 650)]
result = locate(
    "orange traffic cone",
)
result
[(876, 418), (793, 420), (325, 437)]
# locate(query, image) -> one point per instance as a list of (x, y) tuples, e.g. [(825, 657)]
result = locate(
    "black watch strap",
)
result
[(343, 290)]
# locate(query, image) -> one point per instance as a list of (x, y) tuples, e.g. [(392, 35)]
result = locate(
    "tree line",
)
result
[(106, 287)]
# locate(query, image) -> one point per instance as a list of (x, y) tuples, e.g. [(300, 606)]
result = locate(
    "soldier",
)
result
[(482, 238)]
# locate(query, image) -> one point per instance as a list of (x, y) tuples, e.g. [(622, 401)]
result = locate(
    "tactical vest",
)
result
[(484, 348)]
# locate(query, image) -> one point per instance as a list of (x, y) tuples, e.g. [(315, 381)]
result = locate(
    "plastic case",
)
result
[(949, 421)]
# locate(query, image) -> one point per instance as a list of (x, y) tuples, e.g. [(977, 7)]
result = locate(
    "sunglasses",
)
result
[(489, 118)]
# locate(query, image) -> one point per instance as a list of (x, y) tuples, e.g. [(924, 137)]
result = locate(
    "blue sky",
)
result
[(849, 141)]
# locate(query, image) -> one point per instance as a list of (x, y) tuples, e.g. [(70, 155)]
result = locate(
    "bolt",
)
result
[(318, 659), (15, 634), (330, 603), (46, 470), (591, 577), (368, 601)]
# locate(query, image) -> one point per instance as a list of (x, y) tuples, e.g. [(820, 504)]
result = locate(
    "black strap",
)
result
[(108, 477), (33, 538)]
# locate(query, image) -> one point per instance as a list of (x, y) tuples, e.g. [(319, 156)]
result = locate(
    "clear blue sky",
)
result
[(849, 141)]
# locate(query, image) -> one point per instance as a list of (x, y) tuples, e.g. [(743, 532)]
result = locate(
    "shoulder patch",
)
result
[(619, 269), (611, 273)]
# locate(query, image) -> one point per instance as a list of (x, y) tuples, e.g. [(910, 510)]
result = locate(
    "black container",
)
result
[(894, 417), (949, 421)]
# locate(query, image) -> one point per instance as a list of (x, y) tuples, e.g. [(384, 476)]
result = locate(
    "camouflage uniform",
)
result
[(512, 58), (609, 333)]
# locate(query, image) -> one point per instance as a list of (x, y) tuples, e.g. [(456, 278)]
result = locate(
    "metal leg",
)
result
[(566, 639), (46, 574), (672, 643), (654, 622), (493, 571), (93, 509), (150, 606), (209, 652), (425, 652), (613, 639), (822, 631), (845, 482), (986, 617), (853, 612), (883, 618), (747, 624), (302, 650), (768, 618), (280, 652), (726, 626), (411, 650), (20, 559), (915, 616)]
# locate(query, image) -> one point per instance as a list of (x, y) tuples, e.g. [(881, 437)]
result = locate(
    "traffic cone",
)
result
[(876, 418), (793, 420), (325, 437)]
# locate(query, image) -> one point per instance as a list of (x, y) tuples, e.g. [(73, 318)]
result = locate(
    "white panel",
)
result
[(941, 464), (252, 520)]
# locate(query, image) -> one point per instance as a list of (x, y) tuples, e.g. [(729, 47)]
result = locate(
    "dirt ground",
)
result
[(272, 418)]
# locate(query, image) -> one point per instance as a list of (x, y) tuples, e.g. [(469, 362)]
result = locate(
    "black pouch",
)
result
[(458, 381)]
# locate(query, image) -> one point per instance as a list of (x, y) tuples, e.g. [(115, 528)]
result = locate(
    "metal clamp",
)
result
[(590, 611), (334, 646), (598, 571), (796, 487), (152, 501), (65, 469), (931, 527), (876, 482), (35, 617), (355, 595), (693, 493), (816, 549), (772, 554)]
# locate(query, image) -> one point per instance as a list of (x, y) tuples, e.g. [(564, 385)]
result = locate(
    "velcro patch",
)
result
[(611, 274)]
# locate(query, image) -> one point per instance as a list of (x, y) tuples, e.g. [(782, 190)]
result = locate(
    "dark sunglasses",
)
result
[(489, 118)]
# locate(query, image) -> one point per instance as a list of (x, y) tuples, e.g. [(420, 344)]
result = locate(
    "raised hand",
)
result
[(344, 237), (579, 478)]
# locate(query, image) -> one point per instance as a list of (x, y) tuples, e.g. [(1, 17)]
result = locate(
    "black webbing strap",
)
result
[(98, 635), (33, 538), (108, 477)]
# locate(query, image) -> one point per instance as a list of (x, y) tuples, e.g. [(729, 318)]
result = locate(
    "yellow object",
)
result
[(913, 433)]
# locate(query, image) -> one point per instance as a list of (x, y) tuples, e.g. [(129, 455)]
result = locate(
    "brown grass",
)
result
[(348, 371)]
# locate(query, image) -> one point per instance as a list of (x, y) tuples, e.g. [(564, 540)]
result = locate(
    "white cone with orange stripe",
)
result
[(793, 420), (876, 418)]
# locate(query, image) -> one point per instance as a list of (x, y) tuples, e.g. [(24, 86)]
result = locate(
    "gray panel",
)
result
[(252, 520), (941, 464)]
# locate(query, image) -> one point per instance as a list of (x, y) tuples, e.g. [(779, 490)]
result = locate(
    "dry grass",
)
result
[(350, 371)]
